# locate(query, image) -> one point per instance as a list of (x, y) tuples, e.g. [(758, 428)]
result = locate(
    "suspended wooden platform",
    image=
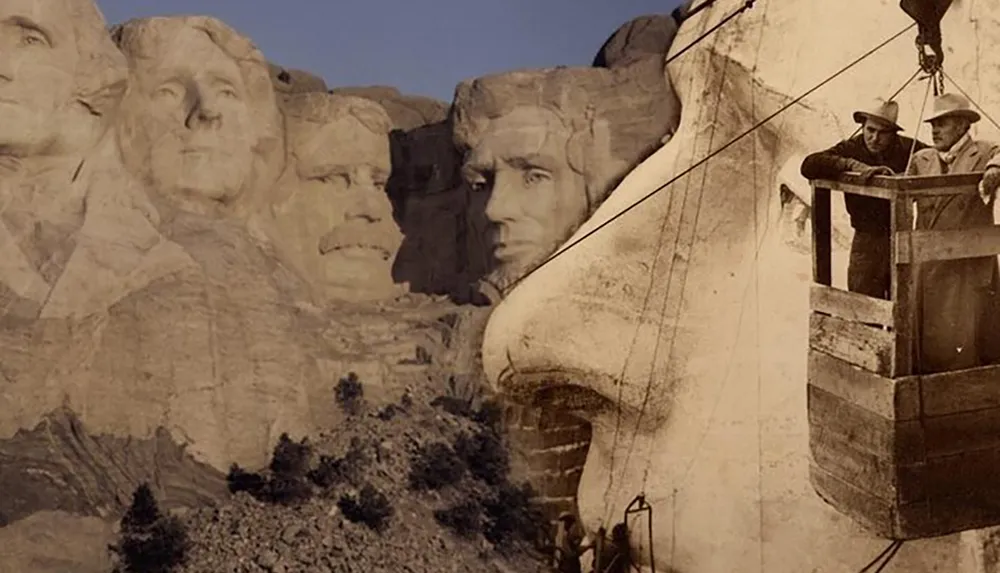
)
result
[(905, 455)]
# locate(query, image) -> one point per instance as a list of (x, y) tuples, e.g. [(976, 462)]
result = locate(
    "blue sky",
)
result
[(422, 47)]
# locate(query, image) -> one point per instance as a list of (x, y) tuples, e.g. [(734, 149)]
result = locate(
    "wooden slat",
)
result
[(864, 346), (834, 417), (922, 246), (961, 391), (890, 399), (904, 288), (942, 516), (850, 305), (864, 470), (970, 473), (876, 514), (821, 236), (901, 182), (962, 433)]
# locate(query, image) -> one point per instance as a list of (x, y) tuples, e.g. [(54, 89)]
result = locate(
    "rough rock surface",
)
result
[(407, 111), (290, 80)]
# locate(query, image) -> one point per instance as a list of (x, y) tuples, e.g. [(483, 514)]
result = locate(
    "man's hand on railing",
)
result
[(989, 183), (870, 171)]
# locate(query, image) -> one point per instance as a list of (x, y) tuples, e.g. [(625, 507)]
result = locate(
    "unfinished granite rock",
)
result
[(291, 81), (407, 111)]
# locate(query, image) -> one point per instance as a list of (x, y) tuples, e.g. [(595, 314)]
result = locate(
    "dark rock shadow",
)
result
[(59, 466), (430, 206)]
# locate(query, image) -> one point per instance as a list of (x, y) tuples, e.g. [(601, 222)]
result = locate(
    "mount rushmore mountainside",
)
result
[(258, 300), (315, 323)]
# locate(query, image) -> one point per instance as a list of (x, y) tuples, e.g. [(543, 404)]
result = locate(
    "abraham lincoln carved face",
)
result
[(543, 148)]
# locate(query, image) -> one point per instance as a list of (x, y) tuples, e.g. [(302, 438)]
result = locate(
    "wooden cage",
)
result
[(905, 455)]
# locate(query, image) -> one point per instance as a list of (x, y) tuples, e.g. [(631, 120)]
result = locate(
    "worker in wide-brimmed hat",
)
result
[(877, 150), (959, 322), (569, 544)]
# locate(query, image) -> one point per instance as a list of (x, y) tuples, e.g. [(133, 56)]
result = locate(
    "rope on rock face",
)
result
[(608, 509), (704, 160)]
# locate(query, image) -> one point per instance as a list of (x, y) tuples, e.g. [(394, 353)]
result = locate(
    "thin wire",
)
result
[(888, 554), (608, 509), (920, 119), (981, 110), (746, 6), (761, 123), (892, 97)]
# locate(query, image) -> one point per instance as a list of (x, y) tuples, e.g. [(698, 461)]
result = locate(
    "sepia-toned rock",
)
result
[(198, 246)]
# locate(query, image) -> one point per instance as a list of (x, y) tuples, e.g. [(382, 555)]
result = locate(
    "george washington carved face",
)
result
[(58, 74)]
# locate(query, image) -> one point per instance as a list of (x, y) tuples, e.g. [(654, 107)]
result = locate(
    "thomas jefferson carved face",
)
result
[(192, 116), (521, 180), (38, 60)]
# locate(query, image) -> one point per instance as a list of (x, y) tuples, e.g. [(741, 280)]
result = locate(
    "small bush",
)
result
[(291, 459), (371, 508), (406, 401), (490, 415), (350, 394), (510, 516), (452, 405), (389, 412), (435, 466), (485, 455), (465, 519), (332, 471), (288, 483), (239, 480), (151, 542), (284, 490)]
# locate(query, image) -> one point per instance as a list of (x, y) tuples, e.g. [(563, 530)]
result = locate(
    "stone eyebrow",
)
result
[(29, 24)]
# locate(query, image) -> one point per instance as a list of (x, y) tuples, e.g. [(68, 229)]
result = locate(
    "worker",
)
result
[(877, 150), (957, 298)]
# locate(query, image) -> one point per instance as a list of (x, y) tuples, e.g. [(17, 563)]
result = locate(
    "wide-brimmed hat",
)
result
[(953, 104), (882, 111)]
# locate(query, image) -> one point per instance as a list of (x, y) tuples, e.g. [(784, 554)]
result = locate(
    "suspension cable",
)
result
[(748, 4), (702, 161)]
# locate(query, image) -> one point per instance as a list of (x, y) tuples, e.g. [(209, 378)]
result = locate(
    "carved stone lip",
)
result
[(327, 246)]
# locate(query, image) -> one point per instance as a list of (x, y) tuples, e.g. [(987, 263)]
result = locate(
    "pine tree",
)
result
[(143, 512)]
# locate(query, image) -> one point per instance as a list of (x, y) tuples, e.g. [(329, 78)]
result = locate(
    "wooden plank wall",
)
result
[(908, 456)]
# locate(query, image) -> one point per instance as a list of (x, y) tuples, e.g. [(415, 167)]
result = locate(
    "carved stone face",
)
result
[(38, 60), (193, 117), (340, 217), (689, 317), (521, 180)]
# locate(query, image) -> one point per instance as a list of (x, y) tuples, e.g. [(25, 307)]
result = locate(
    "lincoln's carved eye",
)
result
[(535, 176)]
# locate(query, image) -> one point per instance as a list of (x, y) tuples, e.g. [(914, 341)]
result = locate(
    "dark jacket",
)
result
[(867, 213)]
